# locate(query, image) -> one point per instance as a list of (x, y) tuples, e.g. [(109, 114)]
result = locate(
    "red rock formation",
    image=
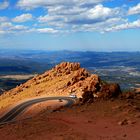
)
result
[(109, 91), (66, 78)]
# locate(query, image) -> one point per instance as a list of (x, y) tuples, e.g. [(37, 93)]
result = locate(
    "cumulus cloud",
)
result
[(8, 28), (4, 5), (75, 15), (46, 30), (50, 18), (79, 15), (79, 18), (134, 10), (128, 25), (30, 4), (64, 16), (96, 14), (19, 28), (23, 18), (100, 26)]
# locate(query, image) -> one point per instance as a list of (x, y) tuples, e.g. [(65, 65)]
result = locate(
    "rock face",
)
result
[(109, 91), (65, 67), (87, 97), (86, 85), (137, 90), (79, 76), (62, 80), (129, 95)]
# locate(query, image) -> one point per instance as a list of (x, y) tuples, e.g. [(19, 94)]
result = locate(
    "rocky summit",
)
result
[(62, 80)]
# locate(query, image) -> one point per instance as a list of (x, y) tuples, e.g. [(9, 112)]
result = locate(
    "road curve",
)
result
[(14, 112)]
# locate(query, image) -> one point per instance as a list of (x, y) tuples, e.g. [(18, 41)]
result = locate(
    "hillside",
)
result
[(62, 80)]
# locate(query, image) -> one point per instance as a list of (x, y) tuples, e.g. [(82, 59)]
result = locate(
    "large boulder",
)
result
[(109, 91), (87, 97)]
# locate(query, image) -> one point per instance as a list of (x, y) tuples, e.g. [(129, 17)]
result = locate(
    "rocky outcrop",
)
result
[(137, 90), (66, 67), (109, 91), (62, 80), (130, 94), (87, 97), (78, 77), (86, 85)]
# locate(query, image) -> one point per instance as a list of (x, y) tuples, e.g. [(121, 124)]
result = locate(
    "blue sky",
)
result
[(93, 25)]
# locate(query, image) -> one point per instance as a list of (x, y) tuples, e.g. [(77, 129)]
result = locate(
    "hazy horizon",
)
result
[(64, 50)]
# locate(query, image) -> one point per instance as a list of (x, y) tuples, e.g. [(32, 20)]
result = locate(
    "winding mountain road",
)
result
[(14, 112)]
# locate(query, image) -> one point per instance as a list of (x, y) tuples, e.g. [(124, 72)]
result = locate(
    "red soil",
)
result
[(102, 120)]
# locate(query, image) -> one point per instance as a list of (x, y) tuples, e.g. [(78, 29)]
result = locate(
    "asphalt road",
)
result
[(14, 112)]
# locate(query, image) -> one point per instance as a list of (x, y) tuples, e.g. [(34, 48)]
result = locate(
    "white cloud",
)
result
[(8, 28), (46, 3), (47, 18), (47, 30), (94, 15), (19, 28), (4, 5), (66, 10), (68, 17), (128, 25), (5, 25), (3, 19), (99, 11), (100, 26), (75, 15), (134, 10), (23, 18), (64, 16)]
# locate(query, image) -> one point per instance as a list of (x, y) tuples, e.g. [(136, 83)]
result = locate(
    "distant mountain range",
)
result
[(121, 67)]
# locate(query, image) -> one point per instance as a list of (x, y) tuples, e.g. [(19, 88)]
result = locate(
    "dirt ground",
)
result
[(102, 120)]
